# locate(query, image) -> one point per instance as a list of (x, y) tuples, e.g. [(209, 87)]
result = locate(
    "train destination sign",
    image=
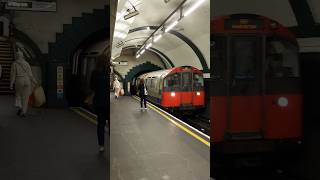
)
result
[(244, 24), (31, 5)]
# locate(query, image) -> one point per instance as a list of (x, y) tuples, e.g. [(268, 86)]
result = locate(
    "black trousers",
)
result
[(102, 117), (143, 101)]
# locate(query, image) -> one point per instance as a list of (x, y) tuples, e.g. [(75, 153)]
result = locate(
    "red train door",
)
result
[(244, 88), (186, 89)]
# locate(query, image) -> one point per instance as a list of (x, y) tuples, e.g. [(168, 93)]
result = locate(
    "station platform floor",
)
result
[(48, 144), (147, 145)]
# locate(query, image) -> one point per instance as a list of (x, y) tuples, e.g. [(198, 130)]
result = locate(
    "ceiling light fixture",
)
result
[(171, 26), (195, 6), (149, 45), (157, 38)]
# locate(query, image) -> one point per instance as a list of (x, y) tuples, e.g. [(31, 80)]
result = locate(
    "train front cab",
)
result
[(256, 101), (183, 89)]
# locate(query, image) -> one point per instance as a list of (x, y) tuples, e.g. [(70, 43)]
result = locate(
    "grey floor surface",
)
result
[(145, 146), (49, 144)]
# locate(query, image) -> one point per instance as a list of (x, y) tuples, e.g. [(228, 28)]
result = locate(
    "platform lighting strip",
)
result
[(169, 27)]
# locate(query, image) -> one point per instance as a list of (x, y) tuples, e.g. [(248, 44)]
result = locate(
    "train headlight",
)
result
[(198, 93), (173, 94), (283, 102)]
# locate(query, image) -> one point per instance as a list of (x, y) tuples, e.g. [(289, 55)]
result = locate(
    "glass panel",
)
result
[(197, 82), (244, 59), (282, 59), (186, 84)]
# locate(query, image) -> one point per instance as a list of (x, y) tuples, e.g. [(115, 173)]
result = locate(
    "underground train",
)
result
[(179, 88), (256, 98)]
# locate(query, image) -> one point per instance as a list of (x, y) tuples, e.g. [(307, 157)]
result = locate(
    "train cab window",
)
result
[(217, 48), (282, 59), (197, 82), (172, 83), (244, 58)]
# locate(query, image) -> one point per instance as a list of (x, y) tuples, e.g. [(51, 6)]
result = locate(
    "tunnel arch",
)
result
[(165, 59), (77, 32), (136, 70), (185, 39), (26, 40)]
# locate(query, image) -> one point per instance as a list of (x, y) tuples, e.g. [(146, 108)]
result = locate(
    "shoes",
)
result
[(22, 115), (101, 148)]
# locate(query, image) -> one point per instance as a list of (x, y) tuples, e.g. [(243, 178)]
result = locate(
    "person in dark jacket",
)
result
[(98, 84), (142, 94)]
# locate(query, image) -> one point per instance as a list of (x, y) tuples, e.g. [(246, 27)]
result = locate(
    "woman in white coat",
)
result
[(21, 76), (116, 87)]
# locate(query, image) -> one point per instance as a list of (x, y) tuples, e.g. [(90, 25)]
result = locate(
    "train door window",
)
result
[(244, 58), (282, 59), (172, 82), (218, 48), (186, 81), (197, 82)]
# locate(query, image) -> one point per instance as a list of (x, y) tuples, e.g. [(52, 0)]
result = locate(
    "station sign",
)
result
[(31, 5), (60, 82), (120, 63)]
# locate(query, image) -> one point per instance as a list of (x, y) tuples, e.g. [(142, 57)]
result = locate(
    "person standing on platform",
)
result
[(21, 76), (99, 86), (116, 87), (142, 94)]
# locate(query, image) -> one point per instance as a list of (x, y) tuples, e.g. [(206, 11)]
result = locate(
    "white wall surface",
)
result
[(43, 26)]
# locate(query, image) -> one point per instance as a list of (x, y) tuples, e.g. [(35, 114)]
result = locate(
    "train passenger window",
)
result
[(282, 59), (197, 82), (244, 59), (186, 81), (172, 83)]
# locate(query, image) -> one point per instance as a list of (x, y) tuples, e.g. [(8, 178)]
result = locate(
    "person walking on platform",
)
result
[(142, 94), (116, 87), (21, 76), (99, 86)]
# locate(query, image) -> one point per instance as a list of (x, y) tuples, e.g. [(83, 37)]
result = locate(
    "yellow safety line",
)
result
[(179, 125), (84, 116)]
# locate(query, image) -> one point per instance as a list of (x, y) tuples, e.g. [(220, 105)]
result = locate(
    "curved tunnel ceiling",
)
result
[(184, 37)]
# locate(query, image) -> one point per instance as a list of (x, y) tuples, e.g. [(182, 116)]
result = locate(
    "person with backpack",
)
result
[(21, 76)]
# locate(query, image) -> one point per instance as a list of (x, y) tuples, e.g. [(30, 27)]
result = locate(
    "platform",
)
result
[(48, 144), (147, 146)]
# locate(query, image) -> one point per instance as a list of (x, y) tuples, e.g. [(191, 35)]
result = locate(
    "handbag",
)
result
[(145, 91), (39, 96), (89, 99), (121, 92)]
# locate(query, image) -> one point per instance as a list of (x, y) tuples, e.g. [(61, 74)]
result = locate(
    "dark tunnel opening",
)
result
[(82, 63)]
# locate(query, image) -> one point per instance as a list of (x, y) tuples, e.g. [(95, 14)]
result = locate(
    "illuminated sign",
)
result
[(244, 24), (31, 5)]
